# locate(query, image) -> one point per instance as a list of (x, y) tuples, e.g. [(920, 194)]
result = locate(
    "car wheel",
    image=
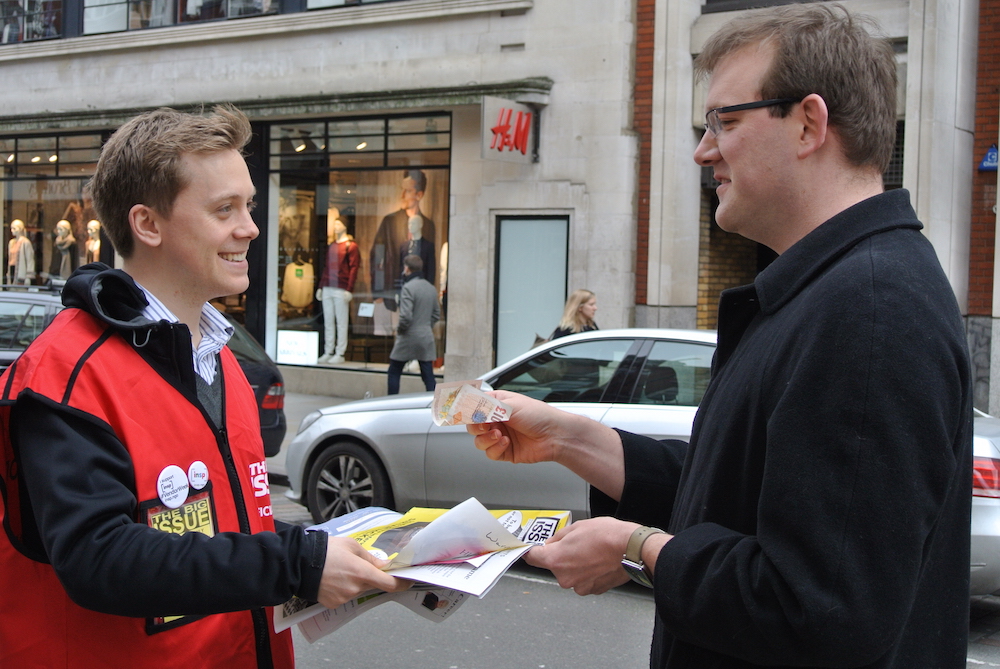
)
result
[(344, 478)]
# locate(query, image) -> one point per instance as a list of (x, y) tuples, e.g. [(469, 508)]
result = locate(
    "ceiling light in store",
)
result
[(53, 158), (36, 159), (10, 158), (361, 146), (300, 148)]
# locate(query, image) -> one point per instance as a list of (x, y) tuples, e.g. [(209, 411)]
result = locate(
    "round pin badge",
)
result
[(172, 486), (198, 474)]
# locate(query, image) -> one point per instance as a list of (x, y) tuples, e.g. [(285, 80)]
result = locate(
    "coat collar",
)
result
[(798, 266), (412, 275)]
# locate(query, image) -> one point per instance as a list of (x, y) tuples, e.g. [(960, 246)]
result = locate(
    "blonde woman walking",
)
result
[(578, 316)]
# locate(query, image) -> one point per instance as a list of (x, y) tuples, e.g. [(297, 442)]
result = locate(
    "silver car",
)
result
[(985, 558), (388, 452)]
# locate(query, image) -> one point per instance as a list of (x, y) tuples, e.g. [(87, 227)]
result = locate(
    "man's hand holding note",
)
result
[(463, 403)]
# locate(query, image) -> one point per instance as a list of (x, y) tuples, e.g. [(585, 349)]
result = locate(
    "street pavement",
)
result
[(527, 620), (984, 632), (297, 407)]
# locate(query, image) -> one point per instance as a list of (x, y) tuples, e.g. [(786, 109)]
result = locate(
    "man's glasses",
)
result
[(714, 125)]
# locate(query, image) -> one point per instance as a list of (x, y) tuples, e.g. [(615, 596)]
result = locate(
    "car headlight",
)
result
[(309, 420)]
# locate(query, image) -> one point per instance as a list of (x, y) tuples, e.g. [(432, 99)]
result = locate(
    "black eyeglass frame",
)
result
[(714, 125)]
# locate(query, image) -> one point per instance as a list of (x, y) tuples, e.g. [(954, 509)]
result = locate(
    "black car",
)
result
[(267, 383), (25, 313), (23, 316)]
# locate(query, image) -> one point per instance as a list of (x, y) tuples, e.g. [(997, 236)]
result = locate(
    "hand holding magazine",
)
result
[(450, 554)]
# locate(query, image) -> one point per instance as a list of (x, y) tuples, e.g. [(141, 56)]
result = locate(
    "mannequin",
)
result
[(93, 241), (418, 246), (343, 259), (64, 246), (439, 327), (20, 255), (332, 219)]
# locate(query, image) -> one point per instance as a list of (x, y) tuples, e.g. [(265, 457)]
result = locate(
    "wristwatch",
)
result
[(632, 560)]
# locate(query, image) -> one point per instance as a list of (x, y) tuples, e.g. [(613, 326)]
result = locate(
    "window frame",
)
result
[(611, 390)]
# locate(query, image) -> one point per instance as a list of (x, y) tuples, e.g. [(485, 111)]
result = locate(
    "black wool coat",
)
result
[(821, 511)]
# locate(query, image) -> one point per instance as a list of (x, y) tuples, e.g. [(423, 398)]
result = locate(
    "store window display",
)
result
[(78, 212), (300, 276), (343, 260), (416, 245), (390, 243), (297, 259), (43, 184), (354, 197)]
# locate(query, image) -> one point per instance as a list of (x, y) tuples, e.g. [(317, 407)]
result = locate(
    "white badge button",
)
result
[(198, 474), (172, 486)]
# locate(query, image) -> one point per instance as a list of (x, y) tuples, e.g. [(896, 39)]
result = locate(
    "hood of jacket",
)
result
[(109, 294), (113, 297)]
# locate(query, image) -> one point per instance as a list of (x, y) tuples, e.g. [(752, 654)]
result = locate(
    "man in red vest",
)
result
[(136, 514)]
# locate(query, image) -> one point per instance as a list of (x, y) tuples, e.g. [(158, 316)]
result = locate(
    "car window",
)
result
[(675, 373), (244, 346), (12, 315), (32, 326), (572, 373)]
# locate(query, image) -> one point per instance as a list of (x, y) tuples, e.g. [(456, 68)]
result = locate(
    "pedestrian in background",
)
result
[(578, 314), (418, 312)]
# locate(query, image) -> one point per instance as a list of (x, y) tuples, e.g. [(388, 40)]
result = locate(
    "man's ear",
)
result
[(145, 223), (814, 116)]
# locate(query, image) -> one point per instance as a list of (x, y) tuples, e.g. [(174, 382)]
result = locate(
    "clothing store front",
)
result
[(347, 198), (353, 196), (50, 225)]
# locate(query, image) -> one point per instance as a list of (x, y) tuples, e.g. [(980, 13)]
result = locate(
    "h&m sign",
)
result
[(508, 131)]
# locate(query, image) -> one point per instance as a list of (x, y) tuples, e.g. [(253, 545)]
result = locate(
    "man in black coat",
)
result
[(820, 514)]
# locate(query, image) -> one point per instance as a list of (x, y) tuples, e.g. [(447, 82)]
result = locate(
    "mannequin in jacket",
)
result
[(343, 259), (20, 255), (64, 256)]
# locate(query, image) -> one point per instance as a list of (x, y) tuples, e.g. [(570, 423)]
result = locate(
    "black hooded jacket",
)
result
[(151, 571), (821, 511)]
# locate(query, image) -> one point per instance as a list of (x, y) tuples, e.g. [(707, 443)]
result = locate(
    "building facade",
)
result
[(687, 259), (522, 148), (984, 284)]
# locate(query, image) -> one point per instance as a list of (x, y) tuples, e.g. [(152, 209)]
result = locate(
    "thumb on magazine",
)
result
[(349, 571)]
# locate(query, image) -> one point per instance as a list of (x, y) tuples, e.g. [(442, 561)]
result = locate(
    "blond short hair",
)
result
[(141, 163)]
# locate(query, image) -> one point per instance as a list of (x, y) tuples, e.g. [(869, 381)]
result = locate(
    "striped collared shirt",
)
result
[(215, 333)]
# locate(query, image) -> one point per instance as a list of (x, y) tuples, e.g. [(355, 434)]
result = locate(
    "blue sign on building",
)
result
[(989, 162)]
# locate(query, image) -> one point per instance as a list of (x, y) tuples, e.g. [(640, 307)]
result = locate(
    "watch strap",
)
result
[(633, 550)]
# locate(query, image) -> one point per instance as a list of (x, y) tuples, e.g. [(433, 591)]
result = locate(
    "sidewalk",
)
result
[(297, 407)]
